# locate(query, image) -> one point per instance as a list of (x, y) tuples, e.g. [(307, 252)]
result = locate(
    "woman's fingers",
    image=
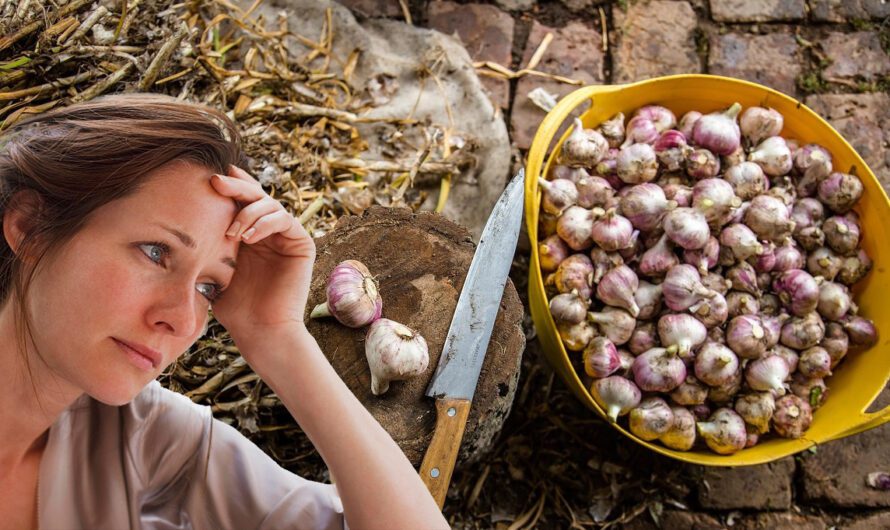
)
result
[(237, 188), (280, 221), (248, 215)]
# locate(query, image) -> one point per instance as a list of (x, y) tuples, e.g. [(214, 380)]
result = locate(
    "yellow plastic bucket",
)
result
[(861, 376)]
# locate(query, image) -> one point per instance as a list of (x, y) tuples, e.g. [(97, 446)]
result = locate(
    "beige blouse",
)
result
[(142, 466)]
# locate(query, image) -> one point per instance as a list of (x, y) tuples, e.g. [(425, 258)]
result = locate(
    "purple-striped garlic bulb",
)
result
[(741, 241), (757, 409), (803, 332), (825, 263), (613, 232), (712, 312), (724, 432), (798, 290), (747, 180), (594, 191), (682, 288), (644, 205), (659, 370), (716, 199), (743, 278), (661, 117), (681, 434), (671, 150), (836, 342), (812, 390), (616, 395), (703, 258), (854, 268), (552, 251), (813, 163), (702, 164), (573, 274), (861, 331), (834, 300), (639, 130), (353, 297), (613, 130), (814, 362), (773, 156), (690, 392), (687, 227), (603, 262), (792, 416), (715, 364), (643, 338), (758, 123), (840, 191), (841, 234), (648, 298), (601, 358), (617, 289), (650, 419), (636, 164), (682, 332), (718, 131), (687, 122), (616, 324), (575, 337), (559, 194), (769, 218), (575, 227), (742, 303), (659, 259), (583, 147), (768, 374), (569, 307), (746, 337)]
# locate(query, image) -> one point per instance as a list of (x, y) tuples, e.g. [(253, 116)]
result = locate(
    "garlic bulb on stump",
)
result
[(395, 352)]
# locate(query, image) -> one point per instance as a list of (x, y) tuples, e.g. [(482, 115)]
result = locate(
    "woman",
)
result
[(124, 220)]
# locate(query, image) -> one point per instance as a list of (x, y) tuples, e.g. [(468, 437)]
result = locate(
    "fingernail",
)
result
[(234, 229), (247, 233), (218, 177)]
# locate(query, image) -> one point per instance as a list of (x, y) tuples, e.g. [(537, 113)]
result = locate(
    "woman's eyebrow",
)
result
[(190, 243)]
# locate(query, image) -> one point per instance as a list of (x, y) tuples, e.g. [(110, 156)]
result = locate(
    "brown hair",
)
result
[(83, 156)]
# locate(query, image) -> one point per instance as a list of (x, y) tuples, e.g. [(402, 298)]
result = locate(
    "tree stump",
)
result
[(420, 261)]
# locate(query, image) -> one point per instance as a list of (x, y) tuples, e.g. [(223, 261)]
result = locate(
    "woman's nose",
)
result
[(175, 310)]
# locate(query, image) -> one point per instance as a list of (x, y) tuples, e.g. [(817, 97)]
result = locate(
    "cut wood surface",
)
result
[(420, 261)]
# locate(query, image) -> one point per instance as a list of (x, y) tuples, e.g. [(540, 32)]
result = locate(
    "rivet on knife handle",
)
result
[(438, 463)]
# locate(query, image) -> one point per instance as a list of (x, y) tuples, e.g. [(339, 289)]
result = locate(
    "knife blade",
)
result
[(454, 383)]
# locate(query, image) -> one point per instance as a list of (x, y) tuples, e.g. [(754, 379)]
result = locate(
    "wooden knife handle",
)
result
[(438, 462)]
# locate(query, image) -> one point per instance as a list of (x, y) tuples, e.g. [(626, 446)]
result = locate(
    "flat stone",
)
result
[(487, 34), (575, 53), (853, 55), (761, 487), (864, 121), (836, 474), (757, 10), (784, 520), (843, 10), (676, 519), (772, 59), (876, 520), (653, 39), (373, 8)]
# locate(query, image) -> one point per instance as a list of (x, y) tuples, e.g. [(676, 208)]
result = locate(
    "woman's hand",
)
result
[(275, 258)]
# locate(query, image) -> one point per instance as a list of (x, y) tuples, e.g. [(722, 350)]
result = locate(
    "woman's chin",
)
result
[(115, 396)]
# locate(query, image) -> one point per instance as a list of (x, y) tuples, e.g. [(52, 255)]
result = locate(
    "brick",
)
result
[(575, 52), (772, 59), (843, 10), (855, 55), (373, 8), (487, 34), (780, 521), (653, 39), (864, 121), (836, 474), (876, 520), (757, 10), (762, 487)]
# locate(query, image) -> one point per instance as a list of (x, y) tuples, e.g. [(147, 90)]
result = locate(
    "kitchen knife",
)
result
[(454, 382)]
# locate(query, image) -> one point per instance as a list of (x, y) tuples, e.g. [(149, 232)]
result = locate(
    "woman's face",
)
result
[(140, 272)]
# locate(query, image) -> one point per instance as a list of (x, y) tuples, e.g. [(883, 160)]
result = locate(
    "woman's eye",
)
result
[(158, 251)]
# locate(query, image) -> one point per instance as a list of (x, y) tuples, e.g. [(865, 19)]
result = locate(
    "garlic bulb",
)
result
[(651, 419), (584, 147), (724, 432), (395, 352), (616, 395), (352, 296), (681, 434)]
